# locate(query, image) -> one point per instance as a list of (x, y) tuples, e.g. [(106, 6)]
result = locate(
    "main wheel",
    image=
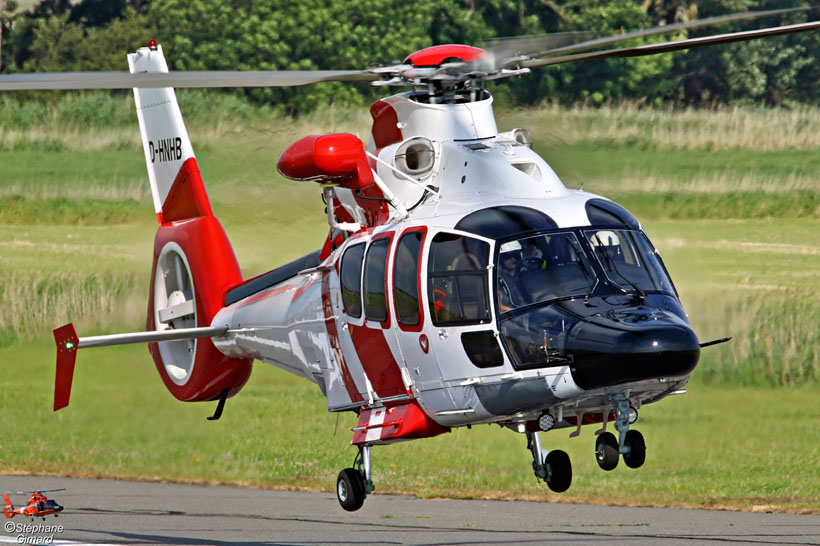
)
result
[(636, 454), (606, 451), (350, 489), (559, 470)]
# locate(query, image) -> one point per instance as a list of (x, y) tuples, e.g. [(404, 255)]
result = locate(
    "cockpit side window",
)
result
[(375, 284), (457, 289), (351, 280)]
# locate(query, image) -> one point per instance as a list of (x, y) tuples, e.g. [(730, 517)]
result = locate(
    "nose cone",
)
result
[(631, 346)]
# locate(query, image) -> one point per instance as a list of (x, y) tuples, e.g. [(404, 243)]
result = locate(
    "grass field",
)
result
[(732, 206)]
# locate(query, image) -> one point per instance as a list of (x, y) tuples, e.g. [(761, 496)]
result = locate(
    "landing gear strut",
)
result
[(555, 468), (354, 484), (630, 443)]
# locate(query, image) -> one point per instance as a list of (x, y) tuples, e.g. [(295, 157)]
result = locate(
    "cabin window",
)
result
[(351, 278), (406, 279), (375, 285), (457, 289), (482, 349)]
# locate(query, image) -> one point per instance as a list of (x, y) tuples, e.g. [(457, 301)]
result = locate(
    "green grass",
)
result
[(737, 228)]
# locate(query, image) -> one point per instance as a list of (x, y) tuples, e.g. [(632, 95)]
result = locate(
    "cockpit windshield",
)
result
[(541, 268), (629, 261), (535, 272)]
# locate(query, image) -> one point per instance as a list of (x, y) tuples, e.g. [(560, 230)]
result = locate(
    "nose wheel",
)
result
[(636, 449), (606, 451), (630, 443)]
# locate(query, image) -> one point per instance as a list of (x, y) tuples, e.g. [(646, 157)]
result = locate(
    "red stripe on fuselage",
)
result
[(335, 345), (377, 360)]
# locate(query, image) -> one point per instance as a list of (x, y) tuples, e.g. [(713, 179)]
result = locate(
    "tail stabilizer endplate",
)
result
[(68, 343)]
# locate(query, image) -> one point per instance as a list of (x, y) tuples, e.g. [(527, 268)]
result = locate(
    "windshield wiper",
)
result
[(612, 267)]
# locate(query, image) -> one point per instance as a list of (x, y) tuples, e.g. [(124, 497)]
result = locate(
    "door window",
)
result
[(457, 288)]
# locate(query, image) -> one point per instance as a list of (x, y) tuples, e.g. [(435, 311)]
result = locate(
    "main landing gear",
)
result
[(555, 468), (630, 443), (354, 484)]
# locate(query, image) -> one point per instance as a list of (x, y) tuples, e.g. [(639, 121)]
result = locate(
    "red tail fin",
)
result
[(8, 509), (67, 341), (187, 197)]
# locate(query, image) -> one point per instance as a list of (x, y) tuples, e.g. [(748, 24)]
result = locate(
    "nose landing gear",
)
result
[(630, 443)]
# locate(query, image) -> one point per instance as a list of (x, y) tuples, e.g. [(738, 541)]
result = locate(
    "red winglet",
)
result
[(67, 344)]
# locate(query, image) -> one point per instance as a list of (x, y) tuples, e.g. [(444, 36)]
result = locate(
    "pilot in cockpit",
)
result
[(511, 293)]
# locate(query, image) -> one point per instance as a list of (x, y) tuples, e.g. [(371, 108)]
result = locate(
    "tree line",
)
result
[(71, 35)]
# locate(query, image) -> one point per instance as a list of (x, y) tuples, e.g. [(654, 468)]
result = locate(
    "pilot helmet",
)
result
[(509, 250), (533, 257)]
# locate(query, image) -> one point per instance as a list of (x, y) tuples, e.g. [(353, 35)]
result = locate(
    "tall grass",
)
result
[(34, 303), (735, 128), (775, 337), (98, 119), (124, 189)]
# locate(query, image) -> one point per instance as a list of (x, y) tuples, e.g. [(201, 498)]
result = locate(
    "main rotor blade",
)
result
[(653, 49), (178, 79), (664, 29), (37, 491), (506, 51)]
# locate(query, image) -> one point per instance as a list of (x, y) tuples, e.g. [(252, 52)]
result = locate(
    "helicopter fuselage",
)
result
[(414, 314)]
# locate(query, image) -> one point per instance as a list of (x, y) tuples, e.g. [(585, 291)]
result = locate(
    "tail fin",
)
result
[(176, 184), (9, 508), (194, 263)]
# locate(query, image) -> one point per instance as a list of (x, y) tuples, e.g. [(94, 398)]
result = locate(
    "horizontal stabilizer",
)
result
[(68, 343), (150, 337)]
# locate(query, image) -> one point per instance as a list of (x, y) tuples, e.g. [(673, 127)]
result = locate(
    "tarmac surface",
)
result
[(117, 512)]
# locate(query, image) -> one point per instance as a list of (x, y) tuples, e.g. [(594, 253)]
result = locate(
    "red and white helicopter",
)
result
[(461, 282)]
